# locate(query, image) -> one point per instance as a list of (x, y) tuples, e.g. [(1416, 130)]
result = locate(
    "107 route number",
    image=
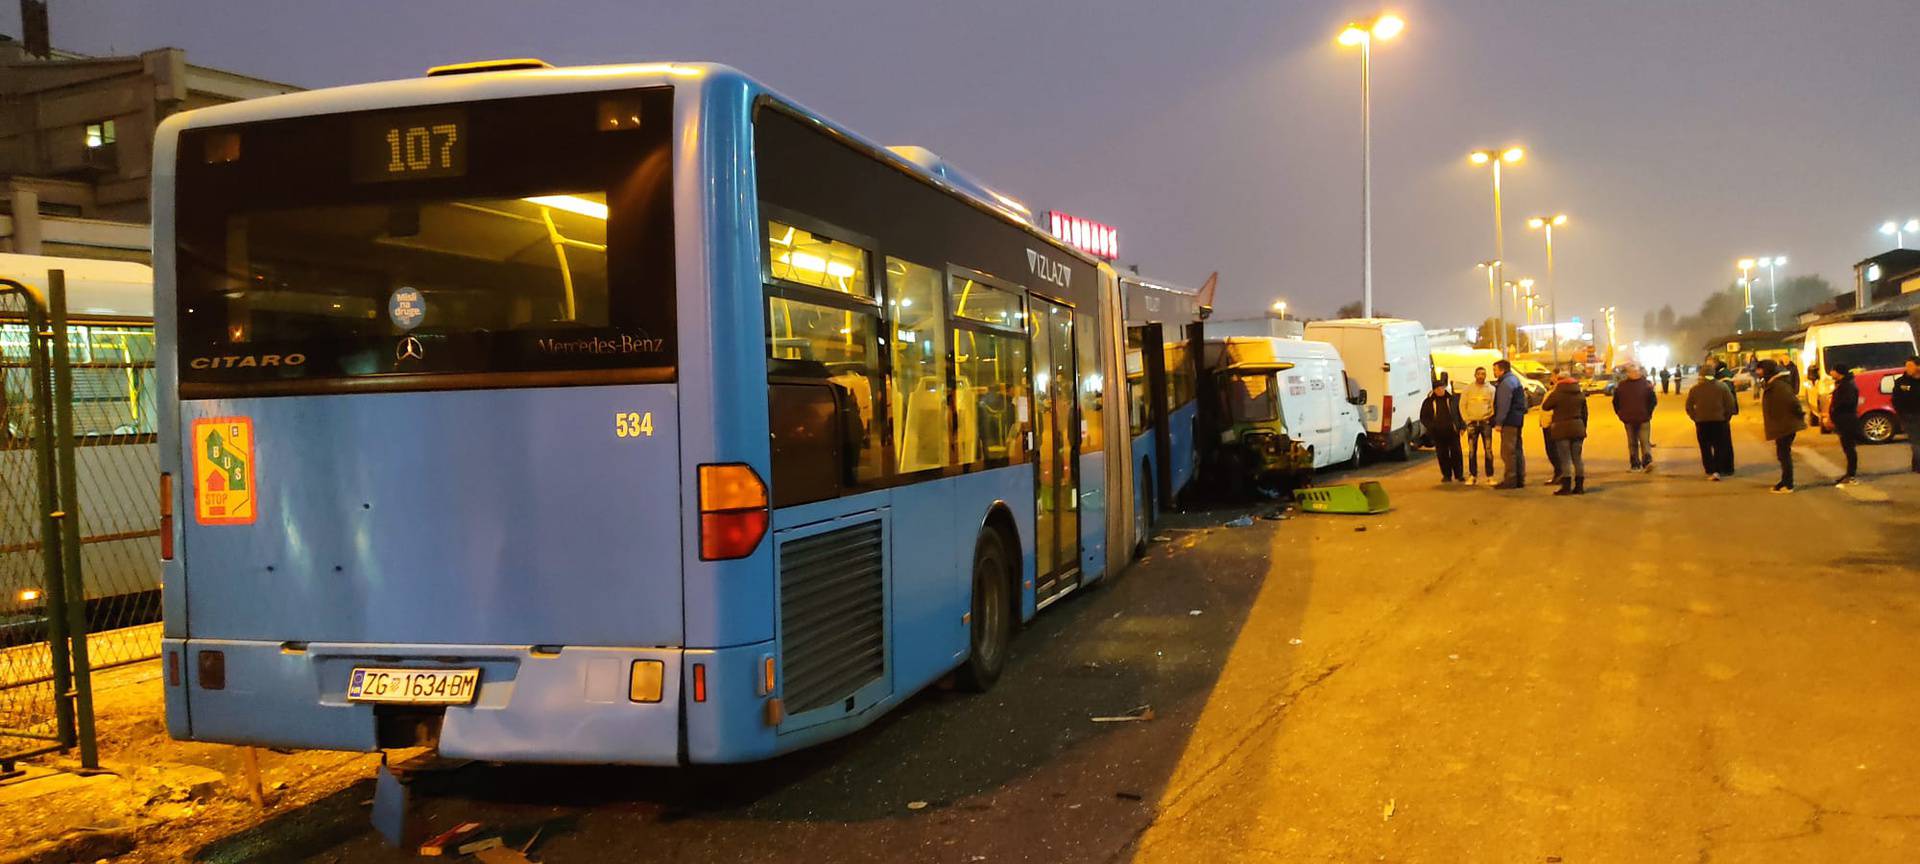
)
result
[(631, 424)]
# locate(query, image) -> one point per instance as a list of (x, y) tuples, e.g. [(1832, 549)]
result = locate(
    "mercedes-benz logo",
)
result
[(409, 348)]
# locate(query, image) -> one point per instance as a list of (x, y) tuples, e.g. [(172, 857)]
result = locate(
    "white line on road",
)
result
[(1857, 491)]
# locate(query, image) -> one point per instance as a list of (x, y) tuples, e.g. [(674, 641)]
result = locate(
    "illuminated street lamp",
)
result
[(1899, 231), (1362, 33), (1492, 266), (1773, 265), (1746, 283), (1525, 295), (1510, 156), (1547, 224), (1280, 309)]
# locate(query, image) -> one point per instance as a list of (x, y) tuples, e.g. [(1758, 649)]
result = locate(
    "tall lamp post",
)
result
[(1492, 266), (1362, 33), (1525, 297), (1773, 289), (1280, 309), (1510, 156), (1547, 224), (1746, 284), (1899, 231)]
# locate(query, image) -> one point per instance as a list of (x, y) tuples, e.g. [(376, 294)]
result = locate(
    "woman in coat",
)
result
[(1843, 414), (1568, 431)]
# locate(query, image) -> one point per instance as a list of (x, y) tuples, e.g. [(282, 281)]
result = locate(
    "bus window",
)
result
[(990, 372), (1137, 399), (840, 346), (977, 301), (920, 427), (1093, 384), (806, 258), (1179, 375)]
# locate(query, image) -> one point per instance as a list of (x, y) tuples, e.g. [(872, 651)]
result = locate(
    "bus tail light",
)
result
[(699, 682), (166, 516), (733, 511)]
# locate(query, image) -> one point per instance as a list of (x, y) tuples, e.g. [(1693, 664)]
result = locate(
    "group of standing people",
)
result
[(1486, 410)]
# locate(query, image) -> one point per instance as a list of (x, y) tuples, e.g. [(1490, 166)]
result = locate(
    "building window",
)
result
[(100, 135)]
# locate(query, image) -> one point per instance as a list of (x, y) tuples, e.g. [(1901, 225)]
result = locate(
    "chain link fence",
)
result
[(77, 439)]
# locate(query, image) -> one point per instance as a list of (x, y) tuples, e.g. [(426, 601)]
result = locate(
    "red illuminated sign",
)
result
[(1086, 235)]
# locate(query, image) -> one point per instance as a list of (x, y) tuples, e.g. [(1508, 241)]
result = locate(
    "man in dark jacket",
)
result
[(1633, 402), (1712, 405), (1781, 418), (1843, 414), (1666, 380), (1440, 416), (1906, 403), (1510, 416)]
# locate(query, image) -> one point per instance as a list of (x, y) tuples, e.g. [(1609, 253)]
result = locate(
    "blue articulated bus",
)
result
[(627, 414), (1163, 334)]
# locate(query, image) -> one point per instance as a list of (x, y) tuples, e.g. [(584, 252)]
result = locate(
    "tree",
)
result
[(1667, 318), (1648, 325), (1352, 310), (1517, 341)]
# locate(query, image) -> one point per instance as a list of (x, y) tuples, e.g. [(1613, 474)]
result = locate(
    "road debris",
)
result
[(1387, 811), (502, 855), (1193, 612), (438, 845), (1239, 522), (1294, 641), (916, 805), (1138, 715), (1129, 796)]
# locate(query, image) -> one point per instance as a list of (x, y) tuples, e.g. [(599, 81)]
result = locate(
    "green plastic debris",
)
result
[(1356, 499)]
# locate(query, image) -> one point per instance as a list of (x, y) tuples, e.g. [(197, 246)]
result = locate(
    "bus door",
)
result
[(1056, 539), (1153, 366)]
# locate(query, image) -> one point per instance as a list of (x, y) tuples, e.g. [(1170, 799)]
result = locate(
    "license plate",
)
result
[(413, 686)]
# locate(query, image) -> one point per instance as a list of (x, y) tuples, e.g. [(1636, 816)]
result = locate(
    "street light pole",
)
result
[(1362, 34), (1512, 155), (1746, 283), (1899, 231), (1549, 223), (1773, 293), (1492, 266)]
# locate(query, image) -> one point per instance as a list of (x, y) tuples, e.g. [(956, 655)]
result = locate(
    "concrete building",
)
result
[(76, 144)]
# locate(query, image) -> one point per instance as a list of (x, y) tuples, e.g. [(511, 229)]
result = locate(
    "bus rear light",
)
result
[(646, 681), (733, 511), (766, 675), (173, 668), (166, 516), (726, 536), (213, 670), (699, 682)]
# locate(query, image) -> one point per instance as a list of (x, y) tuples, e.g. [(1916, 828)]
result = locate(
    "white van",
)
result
[(1389, 357), (1287, 403), (1853, 344)]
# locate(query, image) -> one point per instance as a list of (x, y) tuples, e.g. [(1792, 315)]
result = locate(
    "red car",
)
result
[(1878, 423)]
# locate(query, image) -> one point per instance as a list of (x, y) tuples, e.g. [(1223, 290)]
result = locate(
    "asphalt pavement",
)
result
[(1663, 669)]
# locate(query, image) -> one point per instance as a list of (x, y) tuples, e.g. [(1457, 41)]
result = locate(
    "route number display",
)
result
[(414, 145)]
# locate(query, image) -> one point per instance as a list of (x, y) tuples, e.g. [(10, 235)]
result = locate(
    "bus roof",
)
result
[(512, 81), (116, 289)]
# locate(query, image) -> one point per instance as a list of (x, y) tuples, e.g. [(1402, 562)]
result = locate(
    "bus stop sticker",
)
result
[(224, 482)]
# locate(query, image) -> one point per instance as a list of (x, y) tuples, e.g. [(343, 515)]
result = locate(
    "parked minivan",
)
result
[(1390, 359), (1287, 408), (1853, 344)]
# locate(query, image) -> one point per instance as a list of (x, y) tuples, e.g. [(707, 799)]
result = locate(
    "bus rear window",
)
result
[(541, 256)]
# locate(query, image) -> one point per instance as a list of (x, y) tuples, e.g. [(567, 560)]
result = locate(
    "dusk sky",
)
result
[(1225, 136)]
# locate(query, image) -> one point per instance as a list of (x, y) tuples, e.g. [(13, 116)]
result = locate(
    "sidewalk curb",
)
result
[(83, 845)]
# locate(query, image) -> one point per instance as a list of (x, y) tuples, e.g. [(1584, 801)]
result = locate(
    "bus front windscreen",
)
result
[(518, 242)]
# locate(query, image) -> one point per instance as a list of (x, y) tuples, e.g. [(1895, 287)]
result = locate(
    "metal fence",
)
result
[(79, 515)]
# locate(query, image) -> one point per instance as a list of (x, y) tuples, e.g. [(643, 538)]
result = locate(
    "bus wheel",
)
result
[(992, 618)]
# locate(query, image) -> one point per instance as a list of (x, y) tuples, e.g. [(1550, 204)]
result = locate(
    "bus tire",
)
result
[(990, 629)]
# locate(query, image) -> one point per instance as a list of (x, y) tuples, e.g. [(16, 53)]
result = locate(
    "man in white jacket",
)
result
[(1476, 408)]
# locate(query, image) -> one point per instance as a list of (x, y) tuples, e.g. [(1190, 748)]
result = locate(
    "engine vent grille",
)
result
[(832, 615)]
